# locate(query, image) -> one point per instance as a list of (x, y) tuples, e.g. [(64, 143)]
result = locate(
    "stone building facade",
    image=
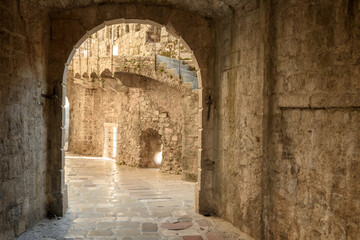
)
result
[(112, 113), (106, 47)]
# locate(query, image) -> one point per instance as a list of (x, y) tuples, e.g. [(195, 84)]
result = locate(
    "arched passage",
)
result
[(196, 34), (150, 143)]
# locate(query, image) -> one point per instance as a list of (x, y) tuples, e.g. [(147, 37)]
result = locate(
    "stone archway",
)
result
[(67, 27), (150, 144)]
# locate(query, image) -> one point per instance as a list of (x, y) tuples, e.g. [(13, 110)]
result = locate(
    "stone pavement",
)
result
[(108, 201)]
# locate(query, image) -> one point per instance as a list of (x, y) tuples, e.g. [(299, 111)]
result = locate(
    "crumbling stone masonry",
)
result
[(129, 104), (138, 104)]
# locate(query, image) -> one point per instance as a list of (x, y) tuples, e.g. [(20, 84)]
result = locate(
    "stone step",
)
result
[(167, 59), (185, 73), (189, 79), (162, 64), (193, 82), (176, 65), (170, 71), (188, 85), (171, 66), (173, 62), (196, 90), (195, 85)]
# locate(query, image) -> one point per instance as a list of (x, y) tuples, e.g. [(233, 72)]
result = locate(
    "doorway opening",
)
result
[(134, 99), (151, 149), (110, 140)]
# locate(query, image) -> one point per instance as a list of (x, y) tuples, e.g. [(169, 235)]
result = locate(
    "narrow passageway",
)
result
[(110, 201)]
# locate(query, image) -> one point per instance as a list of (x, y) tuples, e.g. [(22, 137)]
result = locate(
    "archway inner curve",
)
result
[(66, 31), (132, 21), (86, 75)]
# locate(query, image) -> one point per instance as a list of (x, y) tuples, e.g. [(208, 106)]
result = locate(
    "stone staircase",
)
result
[(188, 75)]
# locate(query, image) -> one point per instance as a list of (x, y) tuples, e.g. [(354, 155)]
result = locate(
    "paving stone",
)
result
[(151, 235), (213, 236), (82, 220), (192, 238), (99, 233), (204, 223), (161, 214), (122, 219), (176, 226), (142, 219), (185, 219), (130, 232), (149, 227), (132, 225), (76, 234), (106, 225)]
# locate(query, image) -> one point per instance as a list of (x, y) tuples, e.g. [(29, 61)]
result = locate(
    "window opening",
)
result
[(115, 50)]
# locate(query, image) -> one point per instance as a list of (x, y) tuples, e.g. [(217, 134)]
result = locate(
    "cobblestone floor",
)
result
[(108, 201)]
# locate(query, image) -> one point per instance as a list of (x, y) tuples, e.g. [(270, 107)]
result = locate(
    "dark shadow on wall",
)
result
[(150, 145)]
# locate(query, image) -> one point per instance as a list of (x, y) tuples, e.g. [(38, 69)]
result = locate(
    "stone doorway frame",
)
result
[(67, 27), (106, 128)]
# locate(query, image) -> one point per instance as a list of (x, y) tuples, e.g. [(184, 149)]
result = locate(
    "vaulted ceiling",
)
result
[(208, 8)]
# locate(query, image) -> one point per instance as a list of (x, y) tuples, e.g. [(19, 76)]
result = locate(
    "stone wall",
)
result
[(176, 123), (315, 176), (314, 164), (141, 104), (287, 119), (23, 132), (130, 40), (239, 108), (281, 160)]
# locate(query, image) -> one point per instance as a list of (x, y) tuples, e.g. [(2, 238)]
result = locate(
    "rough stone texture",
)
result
[(262, 65), (213, 236), (149, 227), (131, 41), (143, 109), (237, 172), (150, 145), (204, 223), (315, 177), (23, 132), (278, 64), (176, 225), (192, 238), (314, 151), (197, 37), (213, 9), (90, 68), (96, 212)]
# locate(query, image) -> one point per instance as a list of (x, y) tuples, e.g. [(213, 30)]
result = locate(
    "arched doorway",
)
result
[(63, 46), (151, 147)]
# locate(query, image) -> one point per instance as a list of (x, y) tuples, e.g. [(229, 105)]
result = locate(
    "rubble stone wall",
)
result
[(170, 111), (131, 43), (142, 104)]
